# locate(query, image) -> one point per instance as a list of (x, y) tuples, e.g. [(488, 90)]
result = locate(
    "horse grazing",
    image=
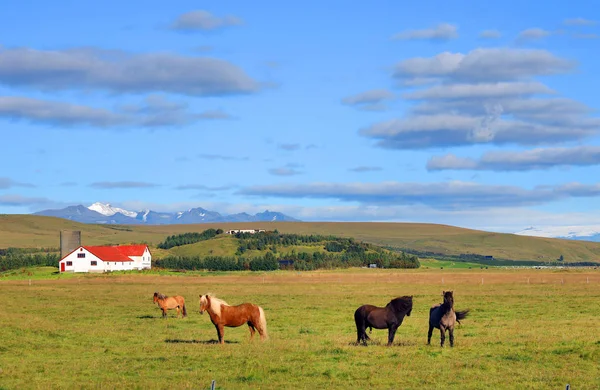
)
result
[(443, 317), (167, 303), (390, 317), (222, 314)]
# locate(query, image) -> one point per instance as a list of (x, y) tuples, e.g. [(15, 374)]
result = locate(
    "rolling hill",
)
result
[(29, 231)]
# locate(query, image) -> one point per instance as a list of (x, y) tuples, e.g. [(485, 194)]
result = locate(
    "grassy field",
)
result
[(527, 329), (30, 231)]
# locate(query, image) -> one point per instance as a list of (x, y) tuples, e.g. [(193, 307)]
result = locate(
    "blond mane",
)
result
[(215, 303)]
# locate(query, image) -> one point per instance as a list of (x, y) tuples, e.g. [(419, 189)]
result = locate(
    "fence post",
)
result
[(212, 385)]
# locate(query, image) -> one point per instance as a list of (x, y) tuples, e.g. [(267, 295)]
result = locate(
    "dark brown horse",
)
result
[(167, 303), (390, 317), (443, 317), (221, 315)]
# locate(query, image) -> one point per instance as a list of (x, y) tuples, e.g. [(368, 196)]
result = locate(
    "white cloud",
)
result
[(532, 34), (579, 22), (59, 113), (442, 32), (540, 158), (121, 72), (201, 20), (481, 65), (481, 90), (369, 97), (490, 34)]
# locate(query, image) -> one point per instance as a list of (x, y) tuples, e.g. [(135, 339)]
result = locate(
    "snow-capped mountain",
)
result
[(108, 210), (106, 214), (585, 232)]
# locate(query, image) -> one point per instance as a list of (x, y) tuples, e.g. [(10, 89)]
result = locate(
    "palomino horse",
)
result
[(443, 317), (389, 317), (166, 303), (221, 315)]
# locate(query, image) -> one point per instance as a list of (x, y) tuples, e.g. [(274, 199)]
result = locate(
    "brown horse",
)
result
[(167, 303), (443, 317), (221, 315), (390, 317)]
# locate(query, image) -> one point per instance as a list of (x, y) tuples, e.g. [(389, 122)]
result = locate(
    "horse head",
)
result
[(448, 297), (204, 303), (156, 294)]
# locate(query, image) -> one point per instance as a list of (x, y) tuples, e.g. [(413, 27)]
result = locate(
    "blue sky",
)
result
[(473, 114)]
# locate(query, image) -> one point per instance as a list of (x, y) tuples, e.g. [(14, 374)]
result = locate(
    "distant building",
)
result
[(107, 258), (372, 265), (251, 231)]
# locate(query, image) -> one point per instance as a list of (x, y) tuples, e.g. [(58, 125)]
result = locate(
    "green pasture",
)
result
[(527, 329)]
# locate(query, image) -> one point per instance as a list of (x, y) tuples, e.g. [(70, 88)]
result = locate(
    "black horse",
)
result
[(390, 317), (443, 317)]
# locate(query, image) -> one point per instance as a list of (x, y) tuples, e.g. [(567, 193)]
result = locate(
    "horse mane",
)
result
[(215, 303), (160, 296), (402, 304)]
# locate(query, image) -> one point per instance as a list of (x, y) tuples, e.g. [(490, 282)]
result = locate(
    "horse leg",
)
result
[(164, 312), (220, 333), (451, 331), (391, 333), (252, 330), (442, 335), (429, 334)]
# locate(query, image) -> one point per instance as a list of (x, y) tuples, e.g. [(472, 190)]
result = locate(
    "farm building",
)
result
[(251, 231), (107, 258)]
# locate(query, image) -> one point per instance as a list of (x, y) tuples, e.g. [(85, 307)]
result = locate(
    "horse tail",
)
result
[(461, 315), (184, 311), (263, 322)]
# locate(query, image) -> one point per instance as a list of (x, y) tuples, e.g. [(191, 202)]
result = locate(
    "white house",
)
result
[(107, 258), (251, 231)]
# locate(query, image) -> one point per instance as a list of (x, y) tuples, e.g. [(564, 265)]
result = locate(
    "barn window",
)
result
[(93, 262), (81, 255), (69, 263)]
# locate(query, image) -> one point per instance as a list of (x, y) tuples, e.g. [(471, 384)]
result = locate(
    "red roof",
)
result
[(132, 250), (115, 253)]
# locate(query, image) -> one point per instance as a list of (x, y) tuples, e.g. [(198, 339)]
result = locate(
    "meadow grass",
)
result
[(527, 329)]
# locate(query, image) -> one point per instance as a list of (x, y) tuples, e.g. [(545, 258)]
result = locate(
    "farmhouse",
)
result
[(251, 231), (107, 258)]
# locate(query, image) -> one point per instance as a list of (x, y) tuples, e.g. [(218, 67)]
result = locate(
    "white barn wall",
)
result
[(83, 265)]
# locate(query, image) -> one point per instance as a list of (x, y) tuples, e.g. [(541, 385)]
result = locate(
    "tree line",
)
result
[(188, 238), (12, 260), (301, 261)]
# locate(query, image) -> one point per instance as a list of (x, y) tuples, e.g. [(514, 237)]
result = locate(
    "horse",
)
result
[(390, 317), (166, 303), (222, 314), (444, 317)]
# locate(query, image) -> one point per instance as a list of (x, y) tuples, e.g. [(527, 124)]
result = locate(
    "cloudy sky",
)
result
[(483, 115)]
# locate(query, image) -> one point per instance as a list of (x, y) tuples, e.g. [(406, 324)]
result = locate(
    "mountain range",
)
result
[(104, 213), (582, 233)]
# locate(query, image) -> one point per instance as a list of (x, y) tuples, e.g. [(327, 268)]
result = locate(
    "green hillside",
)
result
[(28, 231)]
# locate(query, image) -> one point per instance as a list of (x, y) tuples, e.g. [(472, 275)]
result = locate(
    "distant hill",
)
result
[(104, 213), (30, 231)]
